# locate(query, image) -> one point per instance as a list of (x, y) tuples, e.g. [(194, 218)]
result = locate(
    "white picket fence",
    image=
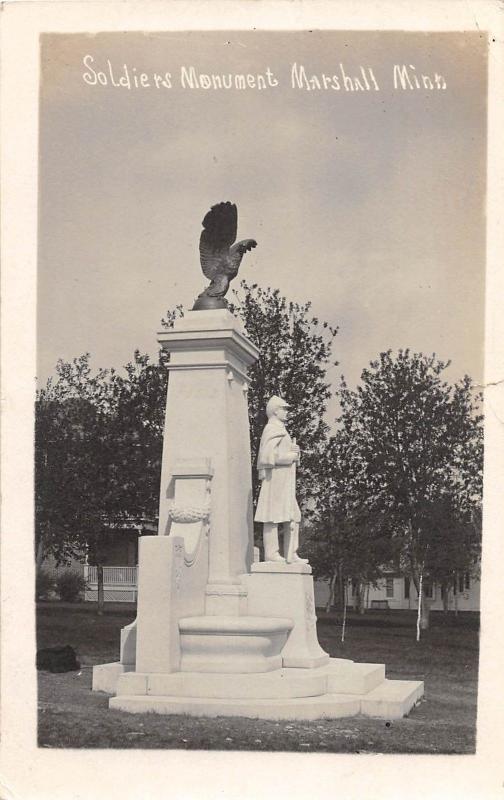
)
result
[(119, 584)]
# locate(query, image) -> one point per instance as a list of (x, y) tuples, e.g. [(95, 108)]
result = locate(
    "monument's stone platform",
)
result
[(338, 689)]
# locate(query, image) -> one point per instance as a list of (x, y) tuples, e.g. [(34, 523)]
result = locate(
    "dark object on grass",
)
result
[(57, 659)]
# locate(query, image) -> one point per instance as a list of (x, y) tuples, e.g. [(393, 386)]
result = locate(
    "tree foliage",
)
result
[(346, 538), (295, 352), (98, 443), (416, 459), (68, 439)]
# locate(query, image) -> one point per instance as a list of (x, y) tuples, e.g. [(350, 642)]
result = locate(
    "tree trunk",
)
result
[(101, 594), (445, 597), (360, 597), (339, 589), (425, 614), (343, 628), (423, 618), (330, 599), (39, 557), (343, 593)]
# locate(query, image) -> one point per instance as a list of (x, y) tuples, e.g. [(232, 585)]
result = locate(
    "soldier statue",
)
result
[(276, 462)]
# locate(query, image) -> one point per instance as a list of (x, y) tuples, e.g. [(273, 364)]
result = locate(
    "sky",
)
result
[(370, 204)]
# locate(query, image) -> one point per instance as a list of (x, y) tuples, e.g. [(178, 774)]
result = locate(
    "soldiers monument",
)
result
[(218, 633)]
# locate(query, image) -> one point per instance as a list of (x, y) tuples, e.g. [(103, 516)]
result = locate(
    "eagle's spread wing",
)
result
[(217, 236), (243, 247)]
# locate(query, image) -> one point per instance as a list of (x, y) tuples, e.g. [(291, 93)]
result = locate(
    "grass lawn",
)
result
[(71, 715)]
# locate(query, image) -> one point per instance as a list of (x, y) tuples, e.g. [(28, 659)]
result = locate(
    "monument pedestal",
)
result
[(340, 688), (217, 634), (287, 590), (207, 416)]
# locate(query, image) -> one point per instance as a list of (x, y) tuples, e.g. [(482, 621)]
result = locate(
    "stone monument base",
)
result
[(266, 664), (340, 688)]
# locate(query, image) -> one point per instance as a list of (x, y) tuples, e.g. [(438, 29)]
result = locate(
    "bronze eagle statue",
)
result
[(220, 257)]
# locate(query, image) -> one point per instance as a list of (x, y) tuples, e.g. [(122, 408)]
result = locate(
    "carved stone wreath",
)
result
[(189, 513)]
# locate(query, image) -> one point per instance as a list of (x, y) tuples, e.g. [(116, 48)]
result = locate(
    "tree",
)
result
[(416, 459), (135, 434), (98, 443), (346, 539), (65, 422)]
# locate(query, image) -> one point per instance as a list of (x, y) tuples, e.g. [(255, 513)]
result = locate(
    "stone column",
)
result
[(207, 417)]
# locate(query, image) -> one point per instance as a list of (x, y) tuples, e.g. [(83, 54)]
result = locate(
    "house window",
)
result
[(406, 588), (428, 590), (461, 583), (389, 584), (354, 586), (467, 581)]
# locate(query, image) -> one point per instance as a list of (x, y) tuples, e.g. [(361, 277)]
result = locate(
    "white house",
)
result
[(394, 591), (119, 564)]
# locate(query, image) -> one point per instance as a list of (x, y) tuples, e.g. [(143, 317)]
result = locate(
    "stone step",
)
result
[(282, 683), (354, 678), (106, 676), (301, 708), (338, 677), (392, 699)]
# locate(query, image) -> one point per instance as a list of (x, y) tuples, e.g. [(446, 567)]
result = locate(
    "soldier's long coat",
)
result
[(277, 499)]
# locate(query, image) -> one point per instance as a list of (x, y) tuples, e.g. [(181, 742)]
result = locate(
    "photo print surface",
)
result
[(356, 160)]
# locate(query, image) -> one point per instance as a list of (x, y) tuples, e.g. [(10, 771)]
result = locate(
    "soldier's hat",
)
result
[(274, 403)]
